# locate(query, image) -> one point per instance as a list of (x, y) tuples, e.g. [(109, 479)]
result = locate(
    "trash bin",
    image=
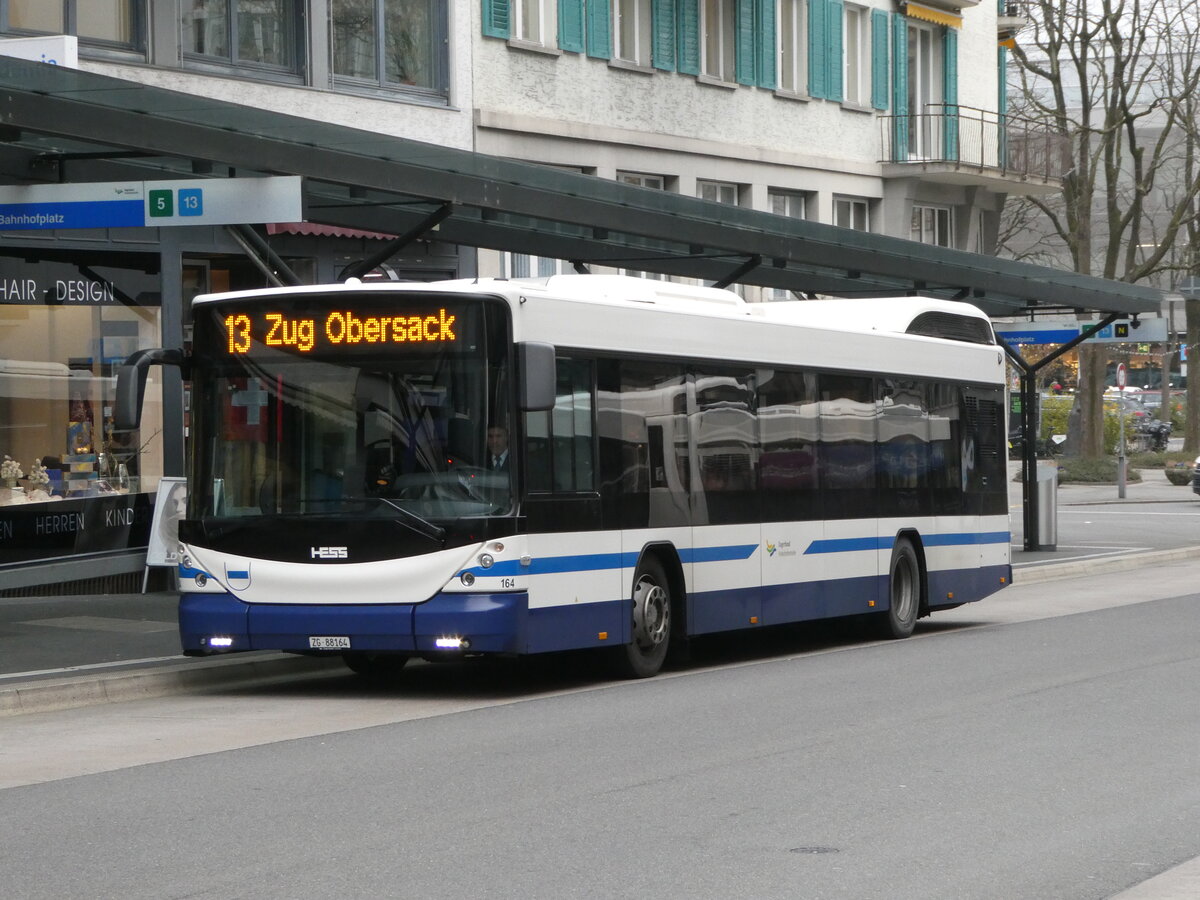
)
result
[(1047, 507)]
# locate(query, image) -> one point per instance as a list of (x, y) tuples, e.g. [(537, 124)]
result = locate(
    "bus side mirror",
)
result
[(537, 379), (131, 385)]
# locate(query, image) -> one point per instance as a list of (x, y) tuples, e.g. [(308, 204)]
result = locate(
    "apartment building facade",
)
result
[(879, 117)]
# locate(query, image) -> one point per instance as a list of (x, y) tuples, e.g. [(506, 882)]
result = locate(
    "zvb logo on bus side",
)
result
[(780, 548), (329, 552)]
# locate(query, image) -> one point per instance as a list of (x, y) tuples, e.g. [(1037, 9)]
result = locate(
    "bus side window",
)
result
[(788, 421), (559, 445)]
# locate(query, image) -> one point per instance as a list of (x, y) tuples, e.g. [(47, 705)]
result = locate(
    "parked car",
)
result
[(1135, 411)]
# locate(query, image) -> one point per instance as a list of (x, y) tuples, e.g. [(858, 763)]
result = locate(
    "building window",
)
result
[(637, 179), (792, 59), (851, 212), (631, 31), (534, 21), (793, 205), (787, 203), (932, 225), (718, 192), (717, 22), (390, 43), (114, 22), (925, 90), (525, 265), (654, 182), (857, 56), (245, 33)]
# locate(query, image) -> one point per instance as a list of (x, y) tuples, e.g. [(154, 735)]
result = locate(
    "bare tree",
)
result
[(1115, 80)]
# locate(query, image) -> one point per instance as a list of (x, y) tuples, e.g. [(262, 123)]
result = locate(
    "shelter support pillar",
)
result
[(1029, 426)]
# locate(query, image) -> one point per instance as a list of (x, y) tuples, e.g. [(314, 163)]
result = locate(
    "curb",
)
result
[(1033, 573), (56, 694)]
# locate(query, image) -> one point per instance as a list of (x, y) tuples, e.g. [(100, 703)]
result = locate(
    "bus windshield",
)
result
[(333, 407)]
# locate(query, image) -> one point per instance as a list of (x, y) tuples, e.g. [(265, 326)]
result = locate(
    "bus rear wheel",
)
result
[(650, 634), (904, 592)]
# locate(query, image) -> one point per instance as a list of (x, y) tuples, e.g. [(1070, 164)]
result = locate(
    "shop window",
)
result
[(73, 484), (390, 43), (262, 34), (114, 23)]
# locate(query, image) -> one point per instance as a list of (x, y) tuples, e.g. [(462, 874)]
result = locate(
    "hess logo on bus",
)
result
[(329, 552)]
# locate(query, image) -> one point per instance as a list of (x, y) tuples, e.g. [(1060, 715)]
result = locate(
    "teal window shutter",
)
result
[(880, 35), (599, 29), (497, 20), (817, 48), (1002, 106), (765, 45), (689, 36), (950, 92), (899, 88), (743, 47), (570, 25), (662, 52), (834, 30)]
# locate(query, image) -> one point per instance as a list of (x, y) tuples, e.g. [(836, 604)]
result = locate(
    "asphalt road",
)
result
[(1040, 744)]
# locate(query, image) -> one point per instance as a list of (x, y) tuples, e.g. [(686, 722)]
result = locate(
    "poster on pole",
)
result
[(163, 549)]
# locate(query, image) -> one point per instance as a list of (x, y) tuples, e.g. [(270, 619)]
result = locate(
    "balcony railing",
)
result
[(965, 138)]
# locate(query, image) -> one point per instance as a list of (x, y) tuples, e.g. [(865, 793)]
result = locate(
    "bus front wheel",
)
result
[(904, 592), (650, 636)]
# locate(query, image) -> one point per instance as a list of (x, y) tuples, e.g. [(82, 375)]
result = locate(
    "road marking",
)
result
[(104, 623), (67, 670)]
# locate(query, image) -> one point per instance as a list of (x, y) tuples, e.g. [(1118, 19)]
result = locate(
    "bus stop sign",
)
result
[(1121, 376)]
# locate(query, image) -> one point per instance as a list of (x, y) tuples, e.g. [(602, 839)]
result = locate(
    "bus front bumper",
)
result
[(445, 624)]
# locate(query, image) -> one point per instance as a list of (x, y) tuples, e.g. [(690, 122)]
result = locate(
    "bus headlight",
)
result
[(467, 579), (486, 560)]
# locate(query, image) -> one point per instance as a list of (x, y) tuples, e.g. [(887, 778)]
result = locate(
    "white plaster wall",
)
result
[(978, 78), (570, 110), (574, 88), (445, 126)]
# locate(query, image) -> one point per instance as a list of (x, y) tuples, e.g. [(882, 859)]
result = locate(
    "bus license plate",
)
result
[(329, 642)]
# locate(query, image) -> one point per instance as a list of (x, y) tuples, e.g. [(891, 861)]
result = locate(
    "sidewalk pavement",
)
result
[(68, 651)]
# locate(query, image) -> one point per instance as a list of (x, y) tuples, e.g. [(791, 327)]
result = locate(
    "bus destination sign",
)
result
[(336, 330)]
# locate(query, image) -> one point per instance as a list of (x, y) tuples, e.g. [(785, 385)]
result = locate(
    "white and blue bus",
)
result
[(387, 471)]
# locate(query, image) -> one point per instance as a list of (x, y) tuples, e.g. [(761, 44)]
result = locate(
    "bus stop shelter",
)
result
[(66, 126)]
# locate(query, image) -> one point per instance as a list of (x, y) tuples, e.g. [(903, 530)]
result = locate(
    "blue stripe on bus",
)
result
[(969, 537), (238, 573), (851, 545), (717, 554), (594, 562)]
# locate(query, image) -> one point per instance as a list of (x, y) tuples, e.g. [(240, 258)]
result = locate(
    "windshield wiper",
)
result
[(417, 523), (409, 519)]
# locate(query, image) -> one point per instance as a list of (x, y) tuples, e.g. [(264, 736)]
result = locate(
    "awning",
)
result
[(311, 228), (106, 128), (928, 14)]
